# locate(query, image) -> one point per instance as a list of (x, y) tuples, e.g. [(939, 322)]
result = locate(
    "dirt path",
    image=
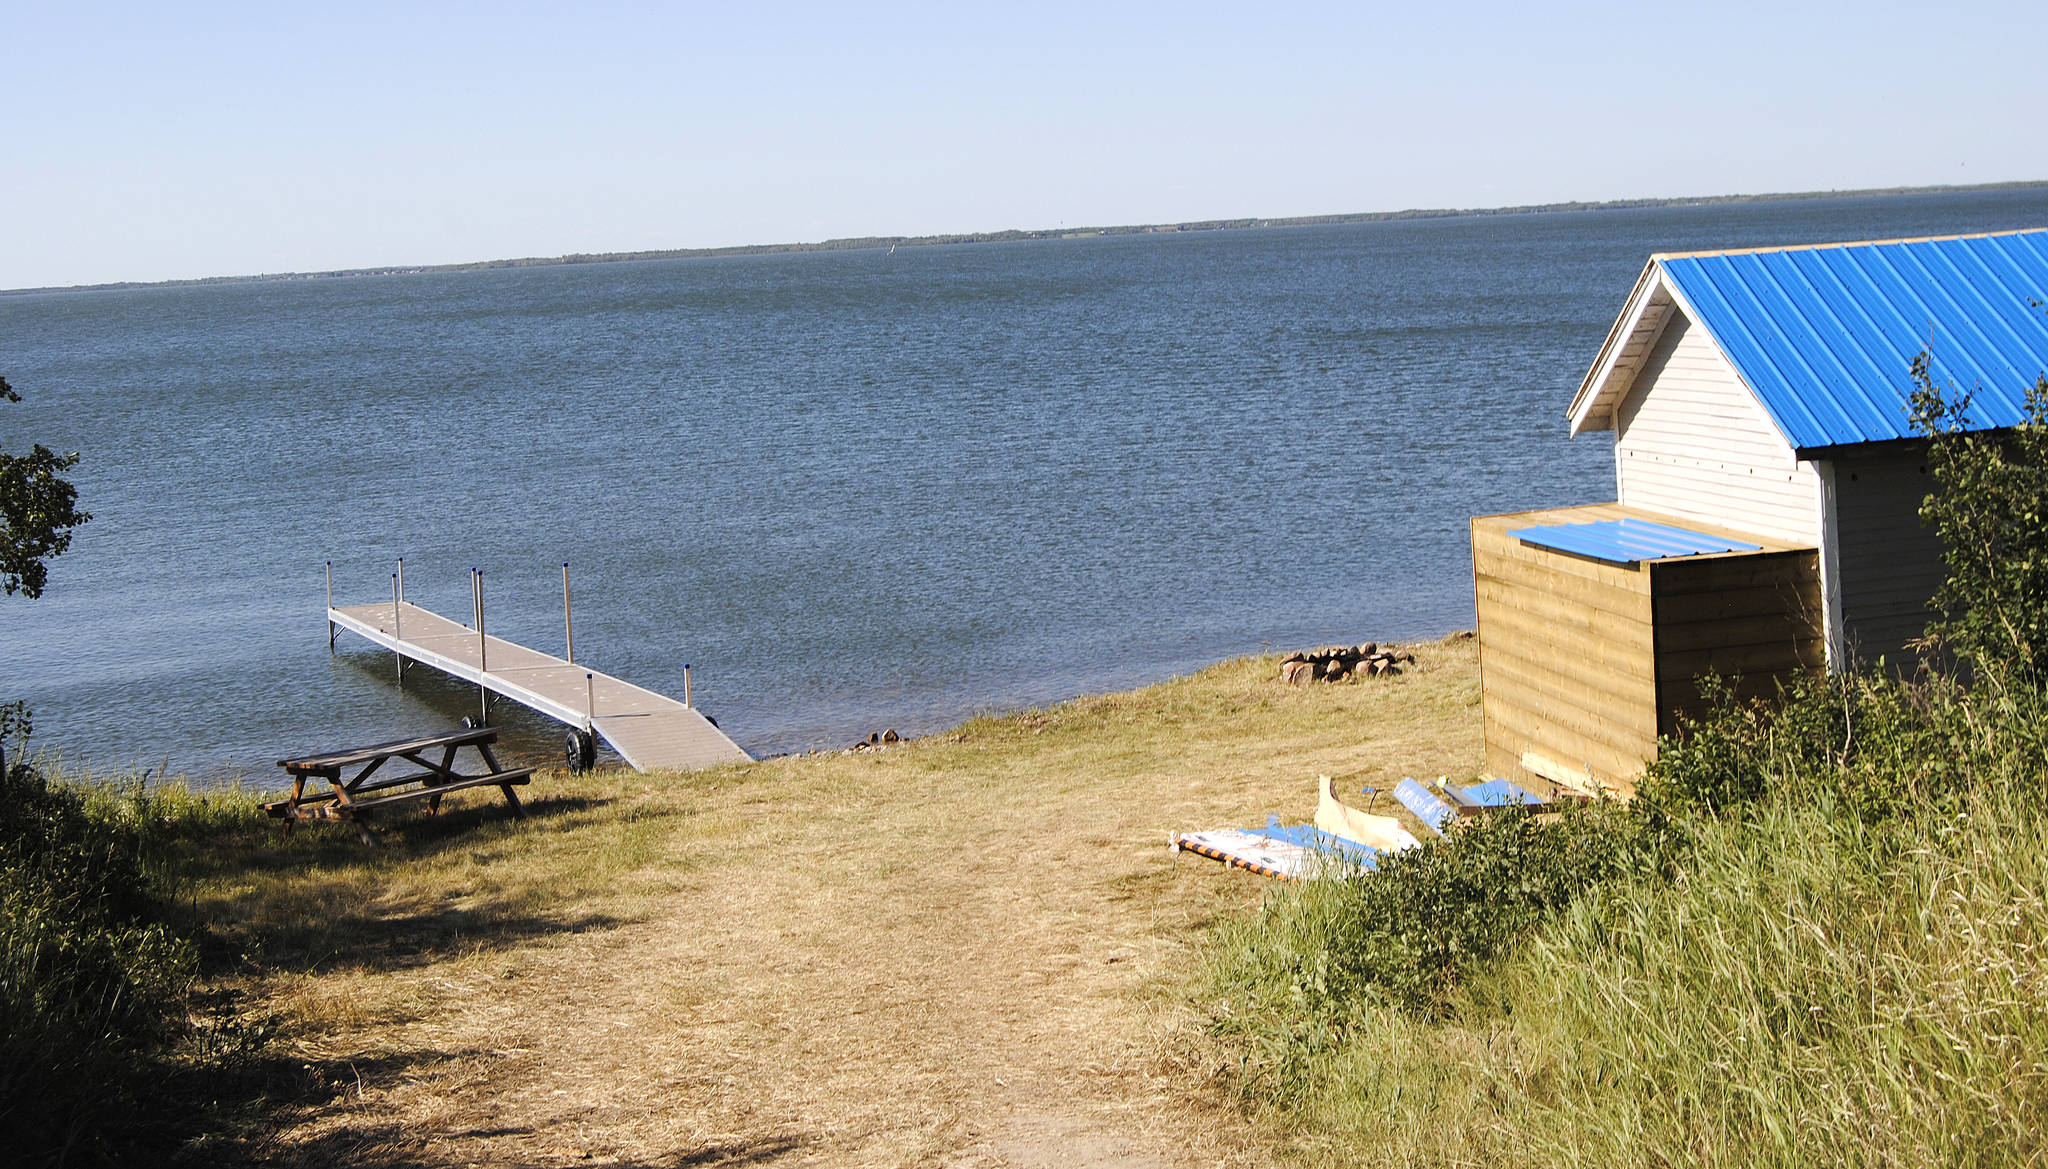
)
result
[(994, 1014), (970, 954)]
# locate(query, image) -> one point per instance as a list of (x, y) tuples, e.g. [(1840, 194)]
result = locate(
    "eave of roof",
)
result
[(1824, 336)]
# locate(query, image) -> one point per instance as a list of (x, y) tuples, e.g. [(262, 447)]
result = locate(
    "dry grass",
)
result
[(972, 949)]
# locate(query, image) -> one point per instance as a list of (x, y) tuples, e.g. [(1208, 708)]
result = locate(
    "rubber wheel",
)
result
[(579, 751)]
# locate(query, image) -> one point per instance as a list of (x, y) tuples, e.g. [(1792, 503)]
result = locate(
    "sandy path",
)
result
[(970, 951), (986, 1007)]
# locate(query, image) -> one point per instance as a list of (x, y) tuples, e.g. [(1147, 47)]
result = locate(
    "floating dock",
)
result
[(651, 731)]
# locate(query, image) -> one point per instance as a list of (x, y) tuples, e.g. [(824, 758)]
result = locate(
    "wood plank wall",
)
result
[(1890, 564), (1584, 663), (1756, 619), (1566, 653)]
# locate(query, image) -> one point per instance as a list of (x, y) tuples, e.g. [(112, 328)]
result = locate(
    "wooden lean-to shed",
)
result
[(1768, 483)]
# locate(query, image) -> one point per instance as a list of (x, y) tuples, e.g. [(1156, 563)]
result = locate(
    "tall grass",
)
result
[(93, 969), (1828, 950), (1813, 992)]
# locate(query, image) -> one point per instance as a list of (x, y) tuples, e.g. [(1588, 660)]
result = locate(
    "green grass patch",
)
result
[(1816, 939)]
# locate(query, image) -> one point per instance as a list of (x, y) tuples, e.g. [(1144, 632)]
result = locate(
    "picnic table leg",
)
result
[(345, 807), (447, 768), (363, 830), (298, 790), (511, 797)]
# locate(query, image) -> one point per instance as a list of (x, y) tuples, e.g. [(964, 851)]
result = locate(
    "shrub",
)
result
[(1323, 955), (1991, 511), (91, 976)]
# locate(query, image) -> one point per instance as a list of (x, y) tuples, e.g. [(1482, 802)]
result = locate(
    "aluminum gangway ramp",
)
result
[(651, 731)]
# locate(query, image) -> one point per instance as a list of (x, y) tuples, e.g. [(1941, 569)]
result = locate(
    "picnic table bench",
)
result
[(353, 797)]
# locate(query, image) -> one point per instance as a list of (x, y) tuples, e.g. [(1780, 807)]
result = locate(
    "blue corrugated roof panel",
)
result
[(1825, 336), (1496, 793), (1427, 805), (1627, 541)]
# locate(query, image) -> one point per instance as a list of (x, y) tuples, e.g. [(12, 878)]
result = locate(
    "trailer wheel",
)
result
[(579, 751)]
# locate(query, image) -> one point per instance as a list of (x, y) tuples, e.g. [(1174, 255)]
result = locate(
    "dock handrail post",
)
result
[(397, 634), (483, 665), (331, 629), (686, 683), (568, 625), (589, 703), (401, 580)]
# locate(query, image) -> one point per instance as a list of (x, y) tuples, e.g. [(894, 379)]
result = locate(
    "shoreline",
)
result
[(871, 243), (523, 746), (975, 941)]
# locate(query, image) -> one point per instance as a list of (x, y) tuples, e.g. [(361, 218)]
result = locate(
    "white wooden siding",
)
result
[(1690, 440), (1888, 564)]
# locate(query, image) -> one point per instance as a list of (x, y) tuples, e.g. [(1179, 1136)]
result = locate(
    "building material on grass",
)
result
[(1437, 809), (1295, 853), (1337, 818), (1493, 793), (1428, 807)]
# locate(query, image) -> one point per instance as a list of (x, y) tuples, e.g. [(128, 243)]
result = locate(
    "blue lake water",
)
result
[(854, 490)]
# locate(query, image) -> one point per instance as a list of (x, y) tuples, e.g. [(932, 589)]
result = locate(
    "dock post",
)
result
[(568, 625), (397, 633), (589, 703), (332, 629), (483, 665), (686, 683)]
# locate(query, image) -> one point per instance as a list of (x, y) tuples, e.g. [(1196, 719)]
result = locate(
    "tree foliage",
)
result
[(1990, 508), (38, 511)]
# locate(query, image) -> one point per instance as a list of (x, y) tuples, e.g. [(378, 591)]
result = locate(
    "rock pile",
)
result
[(878, 740), (1339, 663)]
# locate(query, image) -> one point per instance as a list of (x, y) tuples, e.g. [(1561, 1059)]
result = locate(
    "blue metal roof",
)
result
[(1627, 541), (1825, 336)]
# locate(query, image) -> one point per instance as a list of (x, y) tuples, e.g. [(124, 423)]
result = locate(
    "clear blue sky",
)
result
[(147, 142)]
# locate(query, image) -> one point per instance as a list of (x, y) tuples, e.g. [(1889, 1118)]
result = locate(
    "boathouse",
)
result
[(1768, 480)]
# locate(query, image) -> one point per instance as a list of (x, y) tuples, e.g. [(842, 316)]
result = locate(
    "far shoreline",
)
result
[(870, 243)]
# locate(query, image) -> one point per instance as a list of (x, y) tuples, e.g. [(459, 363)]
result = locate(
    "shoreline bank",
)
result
[(876, 242)]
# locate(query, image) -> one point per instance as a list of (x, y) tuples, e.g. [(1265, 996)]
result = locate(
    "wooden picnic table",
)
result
[(353, 797)]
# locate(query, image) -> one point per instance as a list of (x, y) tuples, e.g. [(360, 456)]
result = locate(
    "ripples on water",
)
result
[(854, 489)]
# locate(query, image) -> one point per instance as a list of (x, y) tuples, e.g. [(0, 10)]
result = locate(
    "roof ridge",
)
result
[(1864, 243)]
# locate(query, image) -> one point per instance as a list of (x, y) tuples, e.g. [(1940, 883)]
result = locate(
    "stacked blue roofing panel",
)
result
[(1627, 541), (1825, 337), (1427, 805), (1497, 793)]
